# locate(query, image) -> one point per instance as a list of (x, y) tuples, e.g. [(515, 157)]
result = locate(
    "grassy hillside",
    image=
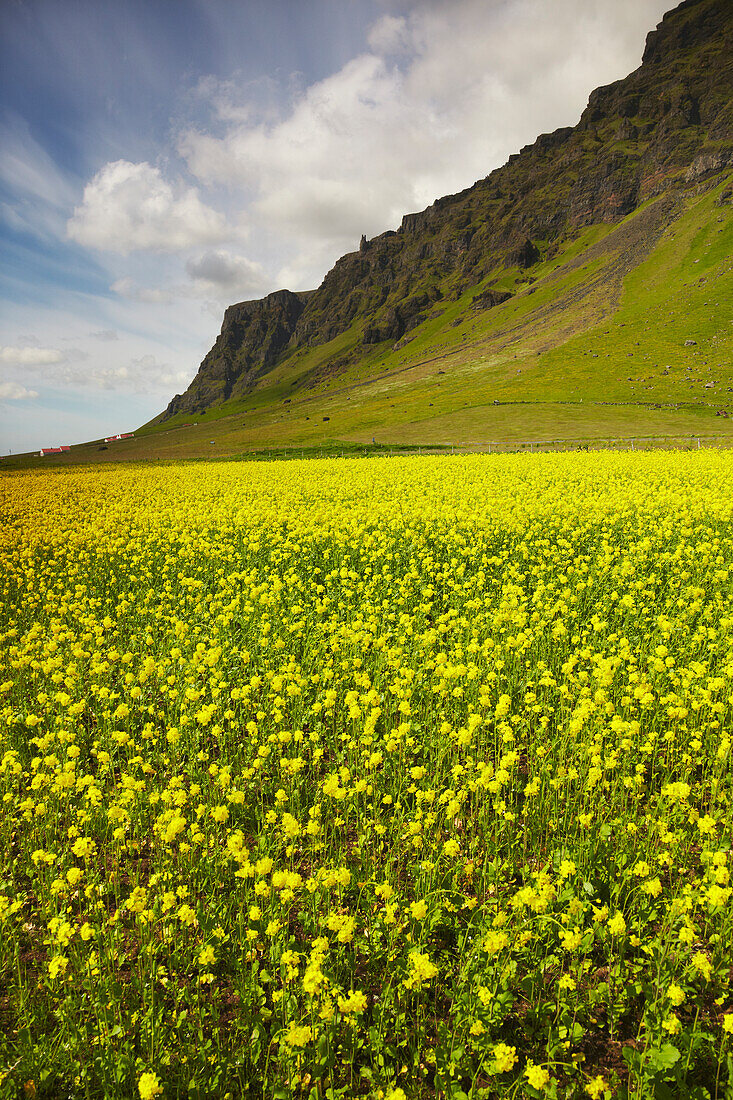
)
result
[(594, 347), (582, 291), (643, 145)]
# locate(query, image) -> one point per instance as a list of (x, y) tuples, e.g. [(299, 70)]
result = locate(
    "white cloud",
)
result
[(13, 391), (216, 275), (444, 92), (131, 207), (128, 288), (221, 272), (390, 34), (144, 374), (30, 356)]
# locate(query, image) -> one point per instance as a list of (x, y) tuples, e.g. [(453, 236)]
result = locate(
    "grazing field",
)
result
[(407, 777)]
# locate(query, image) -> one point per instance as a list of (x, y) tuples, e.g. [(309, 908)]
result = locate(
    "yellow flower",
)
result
[(616, 924), (707, 825), (149, 1086), (418, 910), (536, 1075), (571, 939), (84, 847), (495, 941), (298, 1035), (342, 924), (175, 826), (355, 1002), (596, 1087), (420, 970), (186, 915), (701, 963), (505, 1058), (57, 966)]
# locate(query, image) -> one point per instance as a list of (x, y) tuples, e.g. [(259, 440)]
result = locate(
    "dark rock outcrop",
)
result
[(489, 298), (252, 337)]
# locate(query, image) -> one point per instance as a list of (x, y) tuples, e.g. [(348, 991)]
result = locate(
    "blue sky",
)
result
[(161, 159)]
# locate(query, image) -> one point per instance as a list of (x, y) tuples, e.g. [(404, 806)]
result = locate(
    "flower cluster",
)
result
[(389, 776)]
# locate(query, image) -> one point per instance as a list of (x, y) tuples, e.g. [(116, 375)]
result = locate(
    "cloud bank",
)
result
[(440, 95)]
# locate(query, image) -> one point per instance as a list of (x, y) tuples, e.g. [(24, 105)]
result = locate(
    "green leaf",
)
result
[(664, 1057)]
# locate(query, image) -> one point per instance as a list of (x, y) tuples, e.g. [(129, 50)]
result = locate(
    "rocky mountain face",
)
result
[(252, 338), (666, 127)]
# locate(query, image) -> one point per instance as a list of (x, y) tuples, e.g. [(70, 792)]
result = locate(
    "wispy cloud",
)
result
[(30, 356), (14, 391), (38, 194), (128, 288)]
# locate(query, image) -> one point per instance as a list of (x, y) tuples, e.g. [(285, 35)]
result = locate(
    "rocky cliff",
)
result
[(253, 336), (665, 127)]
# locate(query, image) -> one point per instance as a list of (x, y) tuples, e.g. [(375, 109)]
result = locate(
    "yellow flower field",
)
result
[(395, 778)]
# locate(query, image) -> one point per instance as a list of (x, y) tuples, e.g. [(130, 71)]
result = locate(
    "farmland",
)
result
[(397, 778)]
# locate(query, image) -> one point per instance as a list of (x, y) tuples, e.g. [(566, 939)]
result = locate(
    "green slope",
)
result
[(604, 325), (593, 348)]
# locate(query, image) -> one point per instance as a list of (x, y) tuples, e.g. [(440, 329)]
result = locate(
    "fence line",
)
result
[(633, 443)]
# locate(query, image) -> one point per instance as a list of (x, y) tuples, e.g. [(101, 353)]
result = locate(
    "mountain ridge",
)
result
[(665, 129)]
